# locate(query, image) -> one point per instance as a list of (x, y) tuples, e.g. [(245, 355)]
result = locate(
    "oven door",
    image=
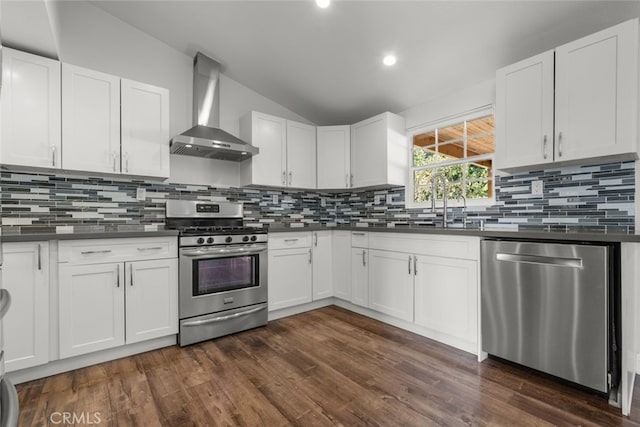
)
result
[(214, 279)]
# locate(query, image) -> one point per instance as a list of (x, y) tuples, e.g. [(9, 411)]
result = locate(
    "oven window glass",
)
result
[(224, 274)]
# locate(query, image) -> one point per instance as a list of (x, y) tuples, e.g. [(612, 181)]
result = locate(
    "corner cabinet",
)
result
[(30, 111), (287, 156), (588, 87), (25, 274), (360, 268), (116, 291), (379, 152), (322, 264), (341, 264), (334, 157)]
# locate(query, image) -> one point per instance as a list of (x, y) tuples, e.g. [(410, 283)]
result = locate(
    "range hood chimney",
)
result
[(205, 138)]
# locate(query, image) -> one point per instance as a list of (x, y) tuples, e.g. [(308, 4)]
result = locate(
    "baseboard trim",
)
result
[(290, 311), (77, 362)]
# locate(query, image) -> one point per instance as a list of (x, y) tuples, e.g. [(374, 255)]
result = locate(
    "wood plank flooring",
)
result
[(324, 367)]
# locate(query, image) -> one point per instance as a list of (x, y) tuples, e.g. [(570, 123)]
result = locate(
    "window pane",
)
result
[(480, 170), (426, 139), (479, 189), (483, 125), (452, 151), (480, 137), (451, 133), (423, 156)]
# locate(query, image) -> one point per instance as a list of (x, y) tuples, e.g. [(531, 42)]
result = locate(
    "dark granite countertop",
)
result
[(495, 233), (32, 237)]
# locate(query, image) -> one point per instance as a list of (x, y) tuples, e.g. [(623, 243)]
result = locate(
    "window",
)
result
[(462, 151)]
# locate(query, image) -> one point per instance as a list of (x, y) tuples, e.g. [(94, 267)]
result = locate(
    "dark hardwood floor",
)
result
[(324, 367)]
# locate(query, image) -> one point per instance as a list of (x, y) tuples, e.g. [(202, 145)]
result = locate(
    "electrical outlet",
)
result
[(141, 194), (537, 188)]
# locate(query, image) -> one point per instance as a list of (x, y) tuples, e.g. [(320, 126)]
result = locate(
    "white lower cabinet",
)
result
[(129, 299), (322, 265), (25, 274), (91, 308), (391, 283), (360, 276), (341, 263), (446, 298), (290, 274)]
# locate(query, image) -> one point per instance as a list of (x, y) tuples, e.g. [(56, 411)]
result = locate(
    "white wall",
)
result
[(89, 37)]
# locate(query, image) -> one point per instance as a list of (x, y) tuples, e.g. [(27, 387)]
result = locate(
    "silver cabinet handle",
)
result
[(310, 256), (544, 147), (126, 162), (5, 302), (131, 273), (415, 265), (290, 178), (351, 180), (53, 155), (106, 251), (118, 277), (409, 264), (155, 248), (364, 262), (559, 144), (315, 239), (291, 240), (346, 180), (39, 256), (114, 161), (284, 178), (357, 234)]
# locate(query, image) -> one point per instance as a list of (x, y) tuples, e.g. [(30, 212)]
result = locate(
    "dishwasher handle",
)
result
[(540, 259)]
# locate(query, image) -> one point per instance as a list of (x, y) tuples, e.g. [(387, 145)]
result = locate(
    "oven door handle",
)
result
[(223, 318), (207, 253)]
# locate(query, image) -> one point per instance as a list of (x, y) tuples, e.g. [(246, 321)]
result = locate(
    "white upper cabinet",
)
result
[(269, 134), (301, 155), (90, 120), (524, 111), (379, 151), (30, 117), (334, 157), (145, 129), (287, 156), (593, 102)]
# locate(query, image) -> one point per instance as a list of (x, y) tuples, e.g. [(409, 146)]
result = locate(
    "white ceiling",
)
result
[(325, 64)]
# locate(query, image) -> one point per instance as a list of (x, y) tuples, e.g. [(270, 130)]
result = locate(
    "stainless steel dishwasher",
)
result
[(548, 306)]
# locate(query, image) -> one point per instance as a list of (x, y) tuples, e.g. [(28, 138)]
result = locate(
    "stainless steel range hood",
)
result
[(205, 138)]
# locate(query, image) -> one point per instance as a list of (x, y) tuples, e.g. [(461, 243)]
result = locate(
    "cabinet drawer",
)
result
[(93, 251), (290, 240), (441, 245), (359, 239)]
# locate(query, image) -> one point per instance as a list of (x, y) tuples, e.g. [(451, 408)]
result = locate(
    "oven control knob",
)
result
[(210, 240), (254, 238), (200, 241), (228, 239), (245, 239)]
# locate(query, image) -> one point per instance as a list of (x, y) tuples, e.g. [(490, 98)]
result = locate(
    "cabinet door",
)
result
[(360, 276), (301, 155), (269, 134), (25, 274), (391, 283), (369, 152), (596, 93), (524, 112), (334, 156), (30, 110), (446, 298), (322, 265), (91, 301), (289, 277), (145, 129), (342, 264), (151, 299), (90, 120)]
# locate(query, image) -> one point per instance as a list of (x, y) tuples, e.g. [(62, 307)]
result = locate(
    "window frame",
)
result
[(470, 115)]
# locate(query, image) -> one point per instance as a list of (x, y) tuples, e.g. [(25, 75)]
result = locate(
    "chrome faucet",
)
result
[(439, 177), (464, 210)]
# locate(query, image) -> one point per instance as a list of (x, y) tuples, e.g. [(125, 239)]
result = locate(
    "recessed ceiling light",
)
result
[(389, 60), (323, 3)]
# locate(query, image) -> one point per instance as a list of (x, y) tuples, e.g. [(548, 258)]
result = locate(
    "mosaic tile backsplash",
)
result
[(591, 198)]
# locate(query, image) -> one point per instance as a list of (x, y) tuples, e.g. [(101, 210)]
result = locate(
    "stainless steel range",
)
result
[(223, 270)]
